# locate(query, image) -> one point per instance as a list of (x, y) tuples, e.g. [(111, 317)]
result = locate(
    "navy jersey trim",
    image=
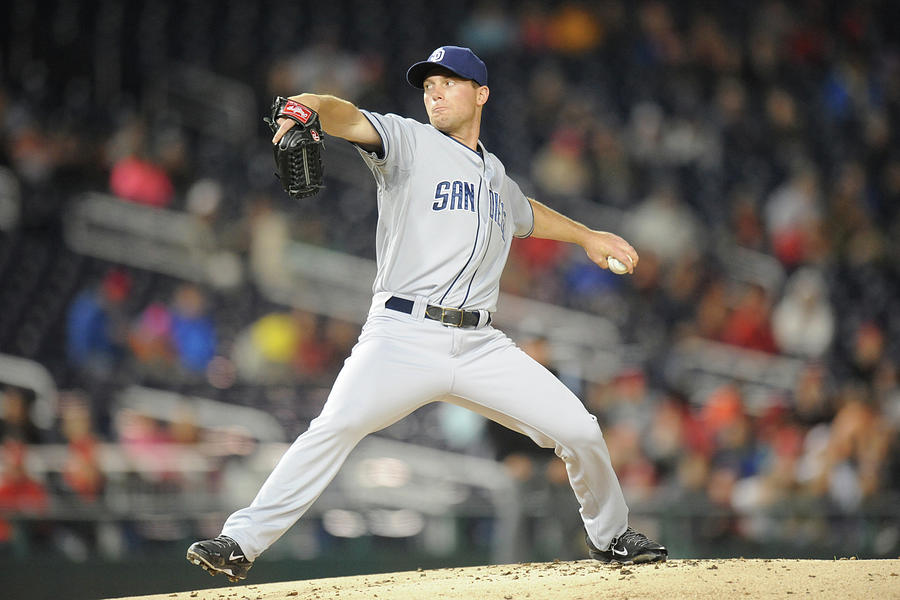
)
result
[(382, 133), (530, 231), (474, 245), (482, 153), (487, 245)]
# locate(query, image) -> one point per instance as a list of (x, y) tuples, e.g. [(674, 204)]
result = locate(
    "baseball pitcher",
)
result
[(447, 214)]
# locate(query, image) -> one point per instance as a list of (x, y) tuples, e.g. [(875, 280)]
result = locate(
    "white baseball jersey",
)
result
[(446, 216)]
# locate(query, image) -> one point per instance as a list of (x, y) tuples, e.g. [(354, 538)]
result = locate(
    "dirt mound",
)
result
[(587, 579)]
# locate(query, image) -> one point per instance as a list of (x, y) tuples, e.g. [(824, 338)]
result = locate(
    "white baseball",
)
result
[(616, 266)]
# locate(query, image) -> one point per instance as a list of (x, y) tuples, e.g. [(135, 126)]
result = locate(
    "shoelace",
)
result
[(223, 542), (635, 538)]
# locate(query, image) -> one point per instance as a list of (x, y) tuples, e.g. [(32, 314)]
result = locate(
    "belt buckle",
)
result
[(456, 311)]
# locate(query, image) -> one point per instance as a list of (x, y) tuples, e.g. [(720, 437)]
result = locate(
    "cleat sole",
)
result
[(197, 559), (213, 571)]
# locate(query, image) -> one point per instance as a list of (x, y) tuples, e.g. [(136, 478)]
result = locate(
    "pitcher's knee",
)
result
[(347, 425), (584, 433)]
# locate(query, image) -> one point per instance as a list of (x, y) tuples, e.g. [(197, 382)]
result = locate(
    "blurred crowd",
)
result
[(763, 131)]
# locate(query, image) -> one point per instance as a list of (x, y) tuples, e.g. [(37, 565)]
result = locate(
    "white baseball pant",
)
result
[(402, 362)]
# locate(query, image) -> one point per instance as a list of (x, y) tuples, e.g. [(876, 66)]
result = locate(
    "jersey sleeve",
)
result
[(520, 209), (397, 143)]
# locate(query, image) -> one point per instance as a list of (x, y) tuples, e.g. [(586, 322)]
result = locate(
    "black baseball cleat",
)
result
[(629, 548), (221, 555)]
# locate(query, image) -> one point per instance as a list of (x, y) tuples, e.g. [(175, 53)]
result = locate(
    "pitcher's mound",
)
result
[(587, 580)]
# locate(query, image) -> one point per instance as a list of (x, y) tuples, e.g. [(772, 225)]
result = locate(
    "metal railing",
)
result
[(191, 482)]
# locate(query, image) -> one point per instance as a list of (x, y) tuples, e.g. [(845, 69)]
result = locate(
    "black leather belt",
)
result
[(451, 317)]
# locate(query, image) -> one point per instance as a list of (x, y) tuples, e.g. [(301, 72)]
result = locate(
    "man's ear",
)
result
[(482, 95)]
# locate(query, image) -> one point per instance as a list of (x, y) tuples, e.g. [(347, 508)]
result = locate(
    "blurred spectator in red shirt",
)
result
[(82, 473), (138, 180), (748, 325), (19, 493)]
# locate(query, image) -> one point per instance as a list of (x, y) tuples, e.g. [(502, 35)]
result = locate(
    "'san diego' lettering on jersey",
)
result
[(497, 212), (456, 195), (460, 195)]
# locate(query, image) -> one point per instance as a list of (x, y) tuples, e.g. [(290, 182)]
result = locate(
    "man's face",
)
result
[(451, 101)]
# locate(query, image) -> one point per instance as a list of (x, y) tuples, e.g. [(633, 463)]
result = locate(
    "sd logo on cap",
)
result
[(457, 59)]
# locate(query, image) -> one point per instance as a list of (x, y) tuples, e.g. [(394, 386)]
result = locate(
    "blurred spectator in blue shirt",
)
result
[(193, 330), (95, 325)]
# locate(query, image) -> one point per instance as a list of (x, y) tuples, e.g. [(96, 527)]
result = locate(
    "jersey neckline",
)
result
[(482, 154)]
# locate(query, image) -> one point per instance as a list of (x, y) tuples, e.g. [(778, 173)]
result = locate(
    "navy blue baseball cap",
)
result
[(461, 61)]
